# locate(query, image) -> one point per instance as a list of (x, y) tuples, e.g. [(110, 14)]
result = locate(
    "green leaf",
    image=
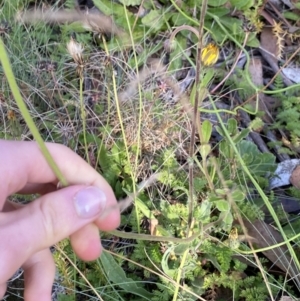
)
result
[(240, 136), (116, 275), (249, 108), (178, 19), (222, 205), (205, 209), (145, 210), (104, 7), (237, 195), (247, 5), (210, 73), (131, 2), (241, 4), (253, 40), (226, 149), (216, 3), (232, 126), (199, 184), (258, 163), (227, 220), (233, 24), (218, 11), (64, 297), (154, 20), (291, 16), (177, 53), (206, 129), (205, 150), (165, 262), (181, 248)]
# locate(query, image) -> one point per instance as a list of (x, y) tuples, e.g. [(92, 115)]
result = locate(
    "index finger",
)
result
[(22, 163)]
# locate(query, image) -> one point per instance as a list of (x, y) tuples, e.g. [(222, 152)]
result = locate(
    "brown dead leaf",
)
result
[(295, 177), (256, 74), (266, 236), (269, 43), (152, 226), (286, 298)]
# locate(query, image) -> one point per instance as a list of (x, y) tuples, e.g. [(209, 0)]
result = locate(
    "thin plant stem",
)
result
[(26, 115), (83, 117), (196, 114), (182, 263), (139, 126)]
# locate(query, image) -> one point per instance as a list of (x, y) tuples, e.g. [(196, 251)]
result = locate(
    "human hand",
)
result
[(27, 232)]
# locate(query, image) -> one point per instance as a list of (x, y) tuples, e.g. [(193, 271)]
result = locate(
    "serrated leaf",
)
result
[(258, 163), (247, 147), (116, 275)]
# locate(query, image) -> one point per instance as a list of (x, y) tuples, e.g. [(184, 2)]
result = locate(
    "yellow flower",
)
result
[(209, 54)]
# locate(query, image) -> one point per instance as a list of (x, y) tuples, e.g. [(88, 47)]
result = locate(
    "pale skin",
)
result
[(27, 232)]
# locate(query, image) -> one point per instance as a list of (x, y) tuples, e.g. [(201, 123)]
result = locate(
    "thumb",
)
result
[(48, 220)]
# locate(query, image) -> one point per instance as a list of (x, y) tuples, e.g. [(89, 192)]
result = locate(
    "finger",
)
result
[(75, 170), (26, 160), (86, 242), (39, 273), (32, 188), (3, 287), (47, 220)]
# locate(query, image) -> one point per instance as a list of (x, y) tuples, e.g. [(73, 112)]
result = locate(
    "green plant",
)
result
[(183, 231)]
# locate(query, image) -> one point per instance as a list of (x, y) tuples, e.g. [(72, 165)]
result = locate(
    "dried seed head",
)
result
[(75, 49), (11, 115), (170, 45)]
